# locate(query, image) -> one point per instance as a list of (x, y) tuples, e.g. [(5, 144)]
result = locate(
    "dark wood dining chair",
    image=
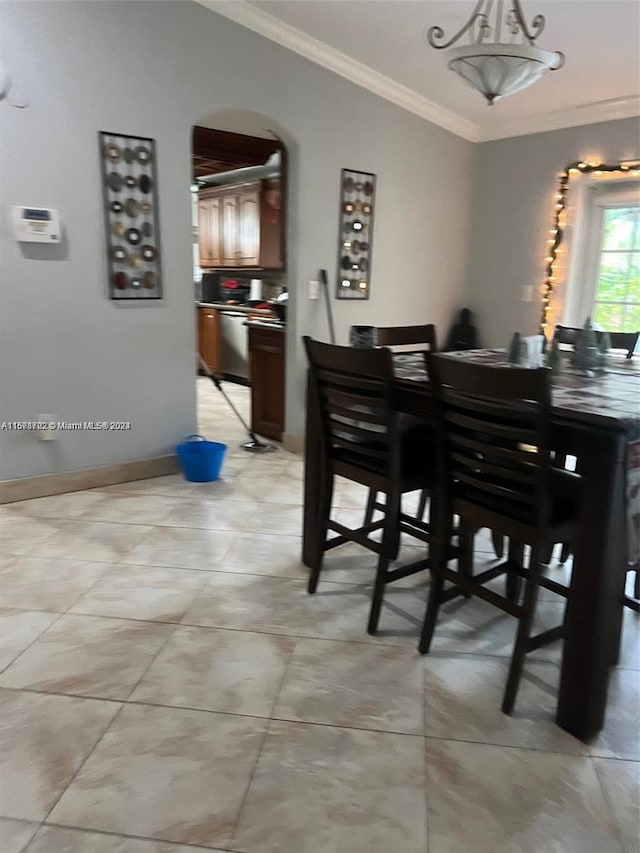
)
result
[(484, 416), (354, 393), (419, 337), (568, 335), (409, 339)]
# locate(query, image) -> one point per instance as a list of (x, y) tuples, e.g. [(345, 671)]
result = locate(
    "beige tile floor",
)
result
[(167, 685)]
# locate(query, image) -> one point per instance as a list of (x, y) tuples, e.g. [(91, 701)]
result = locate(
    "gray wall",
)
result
[(514, 186), (155, 69)]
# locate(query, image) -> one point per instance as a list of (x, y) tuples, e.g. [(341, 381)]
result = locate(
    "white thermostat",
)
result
[(35, 224)]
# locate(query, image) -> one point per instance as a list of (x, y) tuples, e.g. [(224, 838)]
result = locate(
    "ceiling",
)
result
[(216, 151), (380, 45)]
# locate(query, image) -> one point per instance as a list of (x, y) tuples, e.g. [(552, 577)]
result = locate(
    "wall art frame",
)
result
[(132, 227), (355, 237)]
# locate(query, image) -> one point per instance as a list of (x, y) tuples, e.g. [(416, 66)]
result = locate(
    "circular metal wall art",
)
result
[(132, 207), (145, 184), (112, 152), (148, 253), (121, 280), (143, 155), (115, 182), (115, 207), (149, 280), (130, 181), (118, 229), (133, 236), (119, 254)]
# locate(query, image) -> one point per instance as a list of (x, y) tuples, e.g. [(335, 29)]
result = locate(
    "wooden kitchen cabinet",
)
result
[(209, 339), (237, 227), (266, 365), (209, 242)]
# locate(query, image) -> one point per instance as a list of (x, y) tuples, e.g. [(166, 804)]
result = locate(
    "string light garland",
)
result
[(557, 231)]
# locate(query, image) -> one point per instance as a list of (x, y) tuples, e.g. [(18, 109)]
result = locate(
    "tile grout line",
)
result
[(381, 642), (36, 639), (108, 834), (394, 732), (425, 714), (170, 635), (608, 802), (241, 809), (85, 759)]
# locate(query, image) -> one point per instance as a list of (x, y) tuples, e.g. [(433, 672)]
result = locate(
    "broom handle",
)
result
[(218, 385), (325, 286)]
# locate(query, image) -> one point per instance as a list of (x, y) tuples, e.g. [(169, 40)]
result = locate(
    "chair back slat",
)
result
[(517, 455), (506, 430), (396, 336), (619, 340), (485, 417), (354, 390), (483, 465)]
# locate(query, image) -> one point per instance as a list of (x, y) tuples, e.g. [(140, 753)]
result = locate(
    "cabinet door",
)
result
[(271, 225), (209, 344), (266, 356), (204, 233), (209, 242), (249, 226), (230, 231)]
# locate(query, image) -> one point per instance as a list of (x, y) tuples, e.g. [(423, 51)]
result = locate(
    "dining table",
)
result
[(595, 417)]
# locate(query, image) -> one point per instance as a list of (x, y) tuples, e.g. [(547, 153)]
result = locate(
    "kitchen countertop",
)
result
[(264, 324), (240, 309)]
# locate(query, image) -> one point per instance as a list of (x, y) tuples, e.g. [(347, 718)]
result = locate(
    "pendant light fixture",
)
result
[(501, 57)]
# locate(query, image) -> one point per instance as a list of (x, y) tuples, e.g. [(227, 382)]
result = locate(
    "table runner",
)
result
[(613, 395)]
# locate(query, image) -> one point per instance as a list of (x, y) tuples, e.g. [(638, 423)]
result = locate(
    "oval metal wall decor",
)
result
[(128, 220), (357, 206)]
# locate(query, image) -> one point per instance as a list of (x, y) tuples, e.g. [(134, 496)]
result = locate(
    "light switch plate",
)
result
[(314, 290)]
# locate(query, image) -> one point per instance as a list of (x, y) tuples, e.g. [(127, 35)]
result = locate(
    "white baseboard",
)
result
[(88, 478), (293, 443)]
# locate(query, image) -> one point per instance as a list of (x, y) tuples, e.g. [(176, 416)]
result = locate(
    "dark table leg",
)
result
[(315, 479), (597, 586)]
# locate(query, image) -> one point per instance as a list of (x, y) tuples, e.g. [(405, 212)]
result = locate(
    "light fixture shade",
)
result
[(499, 70)]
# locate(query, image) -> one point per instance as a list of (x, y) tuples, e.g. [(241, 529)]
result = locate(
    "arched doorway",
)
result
[(241, 214)]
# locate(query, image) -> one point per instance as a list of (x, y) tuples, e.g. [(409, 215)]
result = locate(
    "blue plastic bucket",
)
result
[(200, 460)]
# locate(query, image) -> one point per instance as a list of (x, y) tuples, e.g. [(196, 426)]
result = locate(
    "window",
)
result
[(617, 292), (604, 274)]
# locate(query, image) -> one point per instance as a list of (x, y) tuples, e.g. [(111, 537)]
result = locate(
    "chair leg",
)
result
[(514, 581), (466, 536), (378, 595), (422, 505), (498, 544), (431, 616), (443, 526), (368, 515), (524, 632), (324, 514), (390, 539), (547, 555), (636, 585), (565, 553)]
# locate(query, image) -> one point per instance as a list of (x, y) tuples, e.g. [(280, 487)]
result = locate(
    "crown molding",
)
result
[(362, 75), (334, 60), (618, 108)]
